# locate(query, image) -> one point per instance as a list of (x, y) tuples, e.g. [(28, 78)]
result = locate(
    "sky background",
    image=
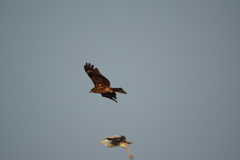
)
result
[(178, 61)]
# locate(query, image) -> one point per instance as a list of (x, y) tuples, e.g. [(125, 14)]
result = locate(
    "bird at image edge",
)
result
[(115, 141)]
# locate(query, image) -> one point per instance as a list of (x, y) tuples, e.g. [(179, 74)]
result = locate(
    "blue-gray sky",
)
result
[(177, 60)]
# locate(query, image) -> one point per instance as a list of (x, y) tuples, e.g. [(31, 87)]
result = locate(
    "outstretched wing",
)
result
[(117, 138), (98, 79)]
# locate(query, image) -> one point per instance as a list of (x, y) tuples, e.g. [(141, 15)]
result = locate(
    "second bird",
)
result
[(117, 140)]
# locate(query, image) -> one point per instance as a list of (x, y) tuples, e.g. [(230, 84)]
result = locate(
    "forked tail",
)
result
[(120, 90)]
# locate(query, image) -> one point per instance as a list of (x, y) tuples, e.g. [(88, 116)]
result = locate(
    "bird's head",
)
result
[(91, 91)]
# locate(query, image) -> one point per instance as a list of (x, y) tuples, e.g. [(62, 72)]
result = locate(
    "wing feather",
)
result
[(117, 138), (98, 79)]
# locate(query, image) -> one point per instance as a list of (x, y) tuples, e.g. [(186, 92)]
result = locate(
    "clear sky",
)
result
[(177, 60)]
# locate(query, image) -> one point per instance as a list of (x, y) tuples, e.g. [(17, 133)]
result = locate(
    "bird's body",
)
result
[(101, 84), (117, 140)]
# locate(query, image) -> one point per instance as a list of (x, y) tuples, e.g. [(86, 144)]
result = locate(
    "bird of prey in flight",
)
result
[(101, 84)]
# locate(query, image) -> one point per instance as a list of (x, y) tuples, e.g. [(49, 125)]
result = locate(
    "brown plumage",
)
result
[(101, 84), (115, 141)]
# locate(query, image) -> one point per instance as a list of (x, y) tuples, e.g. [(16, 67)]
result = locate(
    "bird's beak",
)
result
[(103, 141), (100, 142)]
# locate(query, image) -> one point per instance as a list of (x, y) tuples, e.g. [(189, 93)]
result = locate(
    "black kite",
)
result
[(101, 84)]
